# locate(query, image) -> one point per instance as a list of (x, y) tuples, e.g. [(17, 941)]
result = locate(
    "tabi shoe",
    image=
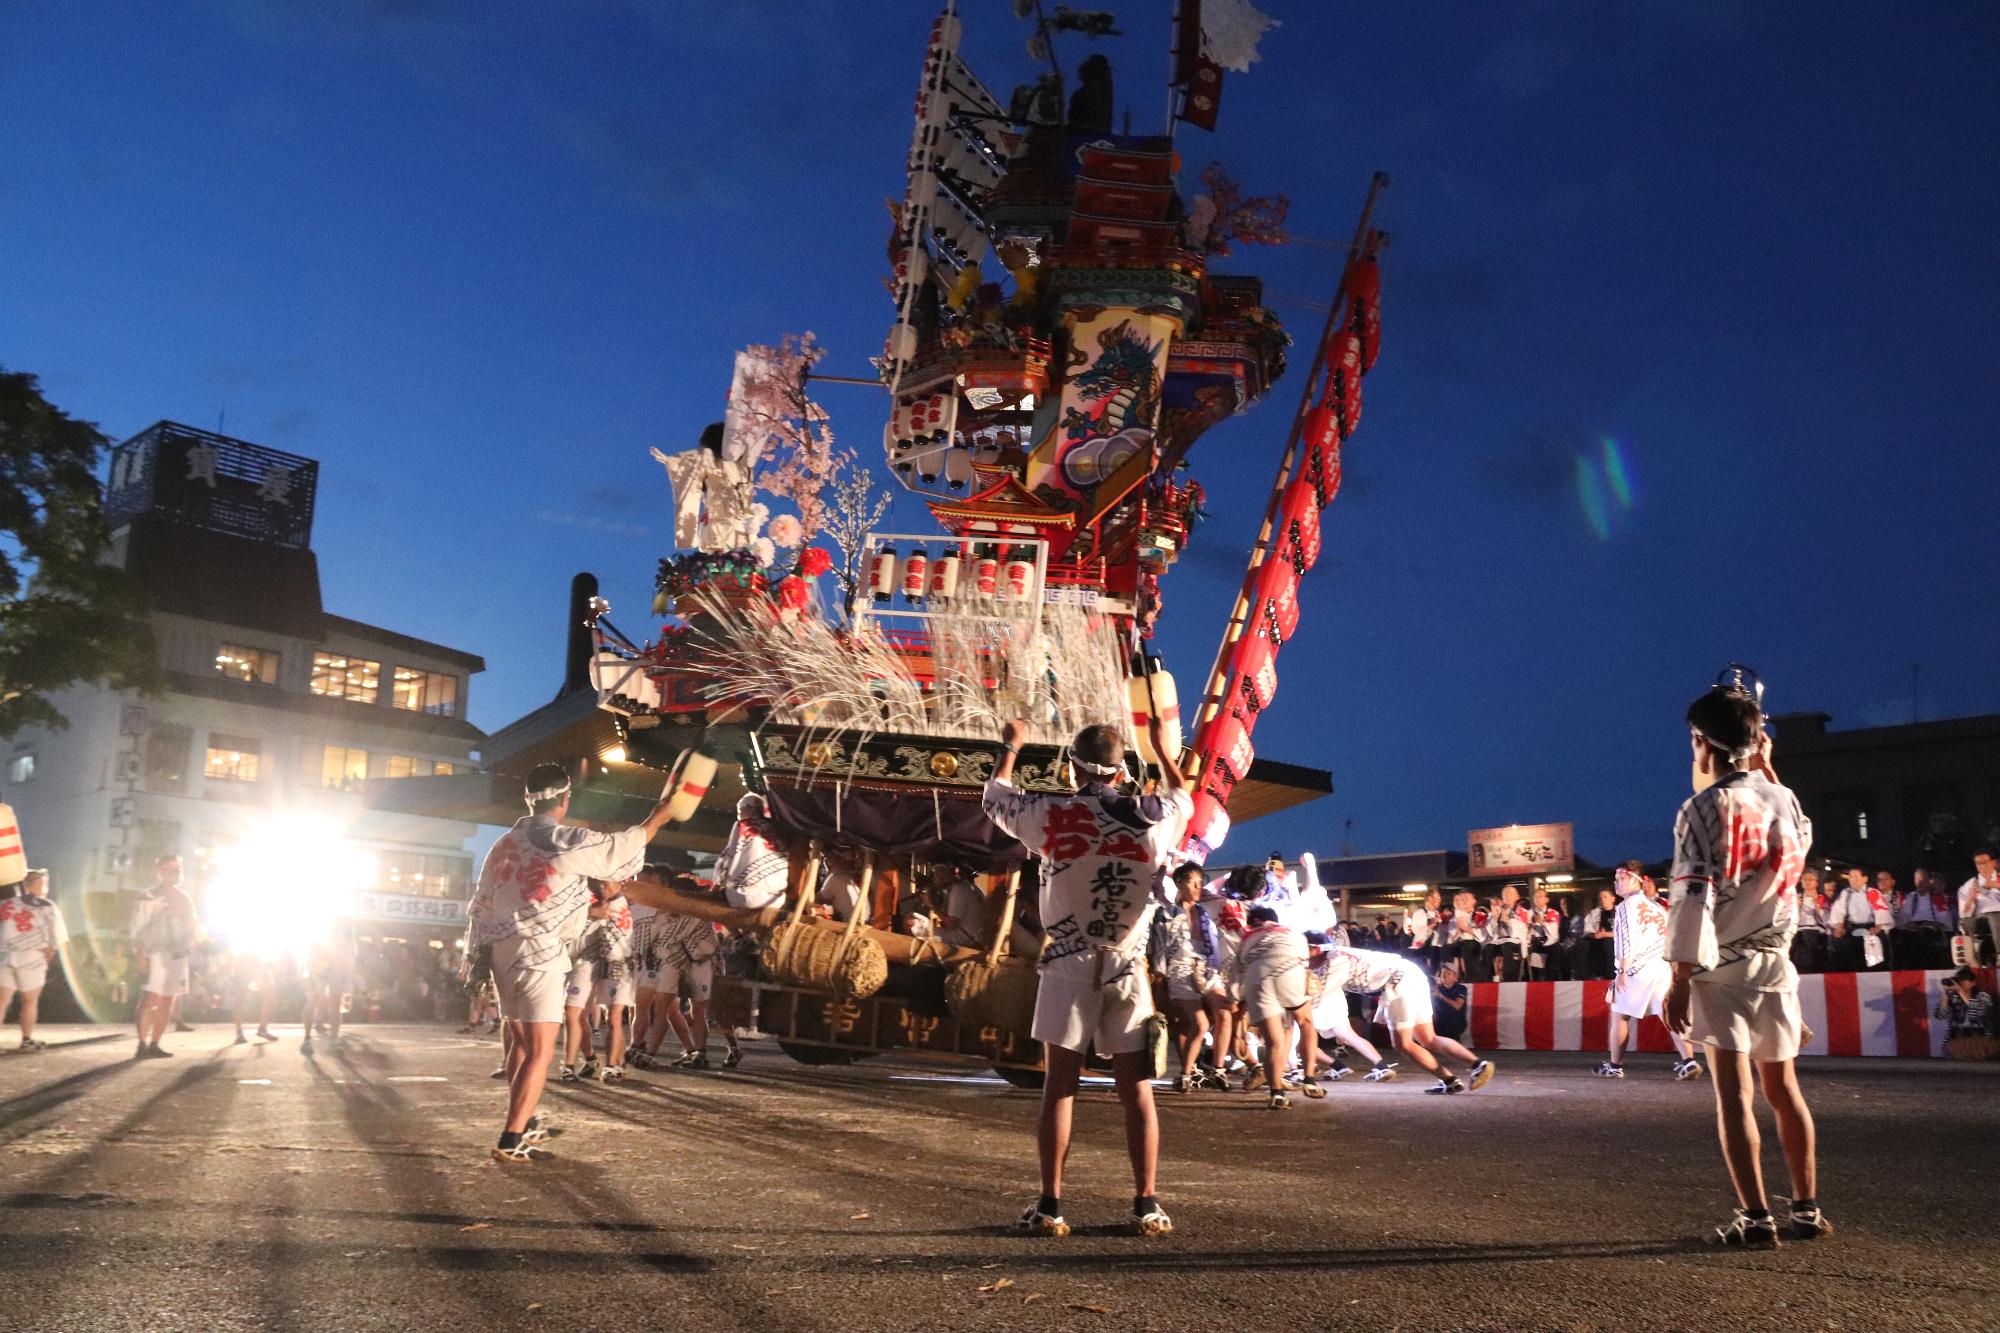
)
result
[(1381, 1074), (611, 1074), (1609, 1070), (1808, 1223), (1153, 1222), (568, 1074), (1035, 1222), (1687, 1069), (521, 1152), (267, 1034), (640, 1060), (589, 1071), (1279, 1102), (183, 1027), (155, 1052), (31, 1046), (733, 1058), (306, 1046), (1184, 1083), (1480, 1075), (1314, 1092), (698, 1060), (1444, 1087), (1748, 1233), (1213, 1080), (241, 1040), (500, 1073)]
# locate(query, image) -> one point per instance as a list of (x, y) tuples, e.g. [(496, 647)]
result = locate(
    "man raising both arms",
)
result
[(529, 910), (1103, 854), (1739, 844)]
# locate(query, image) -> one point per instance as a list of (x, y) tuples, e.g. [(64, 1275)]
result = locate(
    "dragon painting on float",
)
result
[(1044, 418)]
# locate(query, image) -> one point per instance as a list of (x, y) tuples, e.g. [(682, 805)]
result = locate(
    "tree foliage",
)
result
[(65, 616)]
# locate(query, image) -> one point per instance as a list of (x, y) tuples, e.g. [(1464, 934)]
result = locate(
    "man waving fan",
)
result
[(529, 910)]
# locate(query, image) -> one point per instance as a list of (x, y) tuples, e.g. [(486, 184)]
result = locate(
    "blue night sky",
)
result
[(477, 258)]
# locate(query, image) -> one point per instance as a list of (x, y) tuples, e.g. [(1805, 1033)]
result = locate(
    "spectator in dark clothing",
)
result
[(1451, 1003)]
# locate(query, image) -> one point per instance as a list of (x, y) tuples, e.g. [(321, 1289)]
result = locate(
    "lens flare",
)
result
[(1617, 474), (285, 887), (1590, 494)]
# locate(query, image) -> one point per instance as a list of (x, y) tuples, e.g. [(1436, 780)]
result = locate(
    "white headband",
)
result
[(550, 793), (1095, 770)]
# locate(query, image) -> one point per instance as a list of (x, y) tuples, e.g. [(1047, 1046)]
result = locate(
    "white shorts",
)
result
[(528, 994), (613, 994), (25, 974), (1407, 1004), (1076, 1013), (1644, 992), (582, 981), (166, 976), (699, 975), (1268, 995), (1763, 1024)]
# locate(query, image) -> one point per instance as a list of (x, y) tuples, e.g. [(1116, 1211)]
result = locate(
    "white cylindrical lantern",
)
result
[(882, 577)]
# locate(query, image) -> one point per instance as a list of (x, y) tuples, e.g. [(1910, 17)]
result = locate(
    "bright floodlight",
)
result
[(282, 889)]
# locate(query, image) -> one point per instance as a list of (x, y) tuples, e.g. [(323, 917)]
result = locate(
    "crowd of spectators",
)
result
[(1853, 922)]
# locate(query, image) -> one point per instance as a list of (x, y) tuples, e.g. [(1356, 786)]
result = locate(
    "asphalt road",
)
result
[(252, 1188)]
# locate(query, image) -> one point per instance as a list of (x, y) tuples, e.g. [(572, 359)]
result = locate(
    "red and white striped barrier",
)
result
[(1850, 1013)]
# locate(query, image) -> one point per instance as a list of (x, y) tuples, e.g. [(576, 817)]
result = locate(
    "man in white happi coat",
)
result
[(1104, 855), (529, 911)]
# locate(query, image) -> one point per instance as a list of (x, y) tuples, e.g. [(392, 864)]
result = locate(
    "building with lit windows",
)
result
[(276, 715)]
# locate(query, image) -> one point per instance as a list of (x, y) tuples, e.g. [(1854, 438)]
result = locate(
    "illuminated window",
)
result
[(423, 876), (417, 691), (232, 758), (1861, 825), (342, 767), (247, 664), (341, 677), (21, 768), (404, 766)]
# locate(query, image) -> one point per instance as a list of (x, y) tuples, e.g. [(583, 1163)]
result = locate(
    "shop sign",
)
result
[(410, 908), (1521, 849)]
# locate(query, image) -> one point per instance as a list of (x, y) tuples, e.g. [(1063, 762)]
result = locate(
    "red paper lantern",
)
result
[(1298, 524), (1227, 741), (1364, 309), (1275, 607)]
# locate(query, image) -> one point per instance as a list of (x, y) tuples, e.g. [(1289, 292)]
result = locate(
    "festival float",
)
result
[(1060, 342)]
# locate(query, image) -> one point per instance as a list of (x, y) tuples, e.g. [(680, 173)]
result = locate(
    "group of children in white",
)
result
[(1714, 964)]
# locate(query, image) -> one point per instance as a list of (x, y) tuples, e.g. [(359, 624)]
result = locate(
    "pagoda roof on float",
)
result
[(1005, 508)]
